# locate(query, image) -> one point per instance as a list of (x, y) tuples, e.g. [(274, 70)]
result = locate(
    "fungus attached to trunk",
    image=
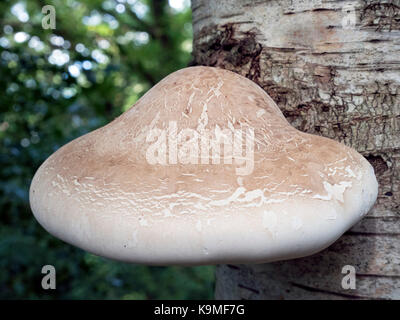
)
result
[(203, 169)]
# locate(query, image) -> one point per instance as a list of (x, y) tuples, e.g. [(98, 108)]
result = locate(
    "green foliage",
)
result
[(55, 86)]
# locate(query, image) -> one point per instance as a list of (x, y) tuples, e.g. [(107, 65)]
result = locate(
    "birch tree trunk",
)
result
[(333, 69)]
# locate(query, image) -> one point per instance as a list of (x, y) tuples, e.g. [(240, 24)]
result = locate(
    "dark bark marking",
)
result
[(338, 294), (232, 267), (378, 163), (390, 276), (229, 50), (372, 234), (381, 16), (248, 288)]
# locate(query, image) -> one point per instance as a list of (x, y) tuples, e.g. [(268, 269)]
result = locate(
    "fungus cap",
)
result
[(203, 169)]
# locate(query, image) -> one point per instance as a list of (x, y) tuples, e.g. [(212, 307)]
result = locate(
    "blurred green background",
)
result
[(59, 84)]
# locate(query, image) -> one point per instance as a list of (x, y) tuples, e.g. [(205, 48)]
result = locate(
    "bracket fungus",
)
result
[(203, 169)]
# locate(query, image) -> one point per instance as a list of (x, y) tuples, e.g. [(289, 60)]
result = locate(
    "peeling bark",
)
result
[(334, 74)]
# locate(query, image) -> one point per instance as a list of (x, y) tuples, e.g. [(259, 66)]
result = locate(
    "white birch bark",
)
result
[(333, 67)]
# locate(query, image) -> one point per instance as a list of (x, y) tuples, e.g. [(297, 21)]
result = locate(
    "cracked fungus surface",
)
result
[(105, 178)]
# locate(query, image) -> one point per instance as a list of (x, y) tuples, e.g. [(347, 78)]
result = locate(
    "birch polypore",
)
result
[(203, 169)]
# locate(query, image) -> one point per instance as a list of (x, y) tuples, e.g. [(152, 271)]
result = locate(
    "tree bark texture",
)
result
[(333, 67)]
